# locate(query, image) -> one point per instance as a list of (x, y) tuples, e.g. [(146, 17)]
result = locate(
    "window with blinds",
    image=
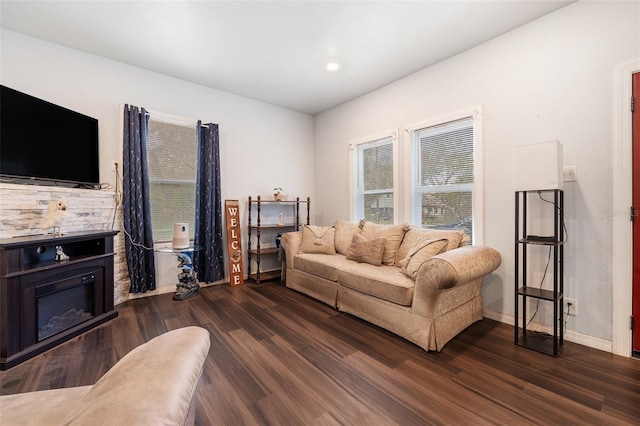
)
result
[(172, 175), (374, 198), (443, 196)]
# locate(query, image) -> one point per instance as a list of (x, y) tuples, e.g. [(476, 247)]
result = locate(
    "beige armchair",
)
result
[(154, 384)]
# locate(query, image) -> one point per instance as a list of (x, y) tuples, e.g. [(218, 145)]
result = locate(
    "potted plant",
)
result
[(278, 195)]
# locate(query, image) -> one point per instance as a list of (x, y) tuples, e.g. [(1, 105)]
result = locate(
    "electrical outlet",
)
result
[(573, 309), (569, 173)]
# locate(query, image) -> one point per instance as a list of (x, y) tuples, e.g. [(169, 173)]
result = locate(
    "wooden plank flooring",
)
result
[(280, 358)]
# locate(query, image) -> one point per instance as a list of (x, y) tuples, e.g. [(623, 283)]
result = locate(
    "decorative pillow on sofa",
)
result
[(344, 235), (318, 239), (364, 250), (423, 250), (455, 238), (393, 235)]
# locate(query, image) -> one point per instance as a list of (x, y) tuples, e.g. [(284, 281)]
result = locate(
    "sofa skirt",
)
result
[(429, 334), (319, 288)]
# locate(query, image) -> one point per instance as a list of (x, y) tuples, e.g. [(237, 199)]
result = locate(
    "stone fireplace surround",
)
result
[(22, 208)]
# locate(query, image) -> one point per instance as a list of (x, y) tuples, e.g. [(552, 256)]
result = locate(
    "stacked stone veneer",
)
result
[(22, 208)]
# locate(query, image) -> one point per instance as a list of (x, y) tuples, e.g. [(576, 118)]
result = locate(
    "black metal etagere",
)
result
[(542, 342)]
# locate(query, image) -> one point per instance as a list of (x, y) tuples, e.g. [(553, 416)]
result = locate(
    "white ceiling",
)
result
[(275, 51)]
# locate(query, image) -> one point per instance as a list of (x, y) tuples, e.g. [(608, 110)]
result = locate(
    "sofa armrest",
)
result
[(291, 243), (450, 269), (154, 384)]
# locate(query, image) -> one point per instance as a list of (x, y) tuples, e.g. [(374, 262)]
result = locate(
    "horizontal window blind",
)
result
[(444, 191), (172, 175), (172, 152), (377, 167), (446, 154)]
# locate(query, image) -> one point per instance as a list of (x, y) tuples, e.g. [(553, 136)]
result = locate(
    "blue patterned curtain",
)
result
[(208, 262), (137, 205)]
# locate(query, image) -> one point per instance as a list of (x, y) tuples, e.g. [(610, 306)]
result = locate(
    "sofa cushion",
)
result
[(363, 250), (455, 238), (393, 235), (320, 265), (344, 235), (47, 407), (384, 282), (318, 239), (423, 250)]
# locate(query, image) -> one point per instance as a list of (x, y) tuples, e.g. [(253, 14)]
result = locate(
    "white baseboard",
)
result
[(571, 336)]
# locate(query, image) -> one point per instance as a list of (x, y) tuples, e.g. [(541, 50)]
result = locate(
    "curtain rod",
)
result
[(175, 119)]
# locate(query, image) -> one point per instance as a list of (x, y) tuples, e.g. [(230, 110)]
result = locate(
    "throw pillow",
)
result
[(318, 239), (393, 234), (344, 235), (364, 250), (423, 250), (455, 238), (464, 241)]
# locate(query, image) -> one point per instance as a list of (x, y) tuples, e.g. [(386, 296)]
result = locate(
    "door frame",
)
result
[(622, 232)]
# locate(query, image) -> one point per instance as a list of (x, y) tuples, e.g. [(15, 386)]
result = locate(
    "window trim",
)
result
[(354, 177), (475, 113)]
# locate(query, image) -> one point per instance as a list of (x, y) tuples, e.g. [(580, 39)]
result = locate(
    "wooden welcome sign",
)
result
[(234, 244)]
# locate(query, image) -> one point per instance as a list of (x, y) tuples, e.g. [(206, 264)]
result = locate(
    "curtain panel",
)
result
[(137, 205), (208, 261)]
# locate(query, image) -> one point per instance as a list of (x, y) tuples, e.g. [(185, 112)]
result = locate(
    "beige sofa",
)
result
[(423, 285), (154, 384)]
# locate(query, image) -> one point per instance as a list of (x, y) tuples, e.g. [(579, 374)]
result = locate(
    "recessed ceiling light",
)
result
[(333, 66)]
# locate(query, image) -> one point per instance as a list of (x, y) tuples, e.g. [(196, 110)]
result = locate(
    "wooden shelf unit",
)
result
[(260, 230)]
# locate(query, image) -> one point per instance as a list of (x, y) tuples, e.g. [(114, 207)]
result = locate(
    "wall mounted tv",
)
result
[(43, 143)]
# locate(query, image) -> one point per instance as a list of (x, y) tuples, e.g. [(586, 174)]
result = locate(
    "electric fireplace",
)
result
[(64, 304), (46, 300)]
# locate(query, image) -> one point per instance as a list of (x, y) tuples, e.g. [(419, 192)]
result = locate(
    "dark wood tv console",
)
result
[(44, 301)]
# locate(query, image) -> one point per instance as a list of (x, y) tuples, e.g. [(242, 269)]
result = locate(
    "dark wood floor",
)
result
[(280, 358)]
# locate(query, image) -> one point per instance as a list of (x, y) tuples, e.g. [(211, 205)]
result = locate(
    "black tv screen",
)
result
[(44, 143)]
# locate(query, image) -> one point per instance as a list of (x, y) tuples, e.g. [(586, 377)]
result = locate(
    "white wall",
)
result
[(262, 146), (551, 79)]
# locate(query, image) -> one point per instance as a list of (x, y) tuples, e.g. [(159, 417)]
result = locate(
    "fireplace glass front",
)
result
[(64, 304)]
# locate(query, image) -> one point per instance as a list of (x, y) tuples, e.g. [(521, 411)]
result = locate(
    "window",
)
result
[(172, 176), (446, 174), (374, 178)]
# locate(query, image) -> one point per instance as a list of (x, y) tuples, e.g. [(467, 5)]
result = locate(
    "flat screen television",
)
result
[(43, 143)]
